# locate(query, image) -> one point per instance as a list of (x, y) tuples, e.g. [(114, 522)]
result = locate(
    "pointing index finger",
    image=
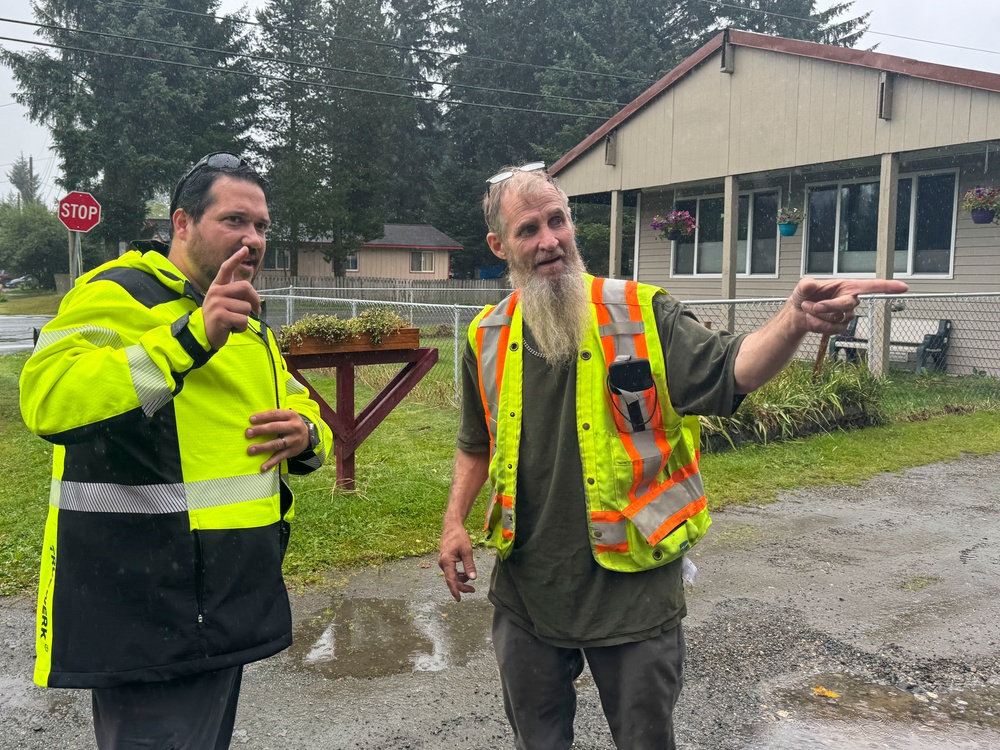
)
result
[(229, 266)]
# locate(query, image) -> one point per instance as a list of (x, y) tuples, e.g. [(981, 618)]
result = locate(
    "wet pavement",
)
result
[(16, 331), (857, 618)]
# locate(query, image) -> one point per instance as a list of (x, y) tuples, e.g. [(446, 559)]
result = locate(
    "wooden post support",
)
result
[(350, 429)]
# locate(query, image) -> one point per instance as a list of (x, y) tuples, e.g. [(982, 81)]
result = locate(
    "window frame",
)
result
[(274, 254), (356, 265), (423, 254), (745, 273), (915, 177)]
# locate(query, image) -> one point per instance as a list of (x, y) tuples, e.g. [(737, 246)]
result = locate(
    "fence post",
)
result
[(458, 355), (290, 307)]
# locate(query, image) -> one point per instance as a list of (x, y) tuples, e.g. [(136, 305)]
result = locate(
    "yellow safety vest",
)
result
[(644, 493)]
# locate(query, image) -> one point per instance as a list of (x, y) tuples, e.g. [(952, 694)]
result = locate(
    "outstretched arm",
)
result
[(471, 473), (814, 307)]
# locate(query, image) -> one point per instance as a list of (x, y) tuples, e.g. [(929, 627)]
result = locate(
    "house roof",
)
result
[(890, 63), (417, 236)]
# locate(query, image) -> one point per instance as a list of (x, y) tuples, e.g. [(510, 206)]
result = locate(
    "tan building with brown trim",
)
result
[(417, 252), (877, 150)]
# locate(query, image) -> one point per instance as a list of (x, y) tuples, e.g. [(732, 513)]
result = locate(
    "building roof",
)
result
[(413, 236), (890, 63)]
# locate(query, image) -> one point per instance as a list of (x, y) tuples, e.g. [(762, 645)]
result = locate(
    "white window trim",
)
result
[(422, 252), (740, 274), (357, 261), (908, 274)]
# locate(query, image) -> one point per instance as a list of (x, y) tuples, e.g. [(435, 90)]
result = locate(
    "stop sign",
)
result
[(79, 211)]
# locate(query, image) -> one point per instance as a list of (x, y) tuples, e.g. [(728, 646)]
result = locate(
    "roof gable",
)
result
[(972, 79)]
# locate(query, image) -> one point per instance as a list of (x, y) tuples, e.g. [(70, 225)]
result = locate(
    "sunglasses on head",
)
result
[(508, 173), (221, 161)]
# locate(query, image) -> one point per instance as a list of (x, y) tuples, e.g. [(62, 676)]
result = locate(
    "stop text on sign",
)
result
[(79, 211)]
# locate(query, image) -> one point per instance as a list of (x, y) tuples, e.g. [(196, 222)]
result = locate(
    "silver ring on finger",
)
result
[(284, 445)]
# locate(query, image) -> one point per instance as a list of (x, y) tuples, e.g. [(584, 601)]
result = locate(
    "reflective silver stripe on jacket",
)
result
[(99, 337), (492, 324), (105, 497), (621, 330), (672, 500), (610, 533), (150, 384)]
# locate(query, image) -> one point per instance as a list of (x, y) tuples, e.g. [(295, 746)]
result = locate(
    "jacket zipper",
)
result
[(264, 328), (199, 577)]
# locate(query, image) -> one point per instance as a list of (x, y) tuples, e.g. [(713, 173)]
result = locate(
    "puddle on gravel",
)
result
[(379, 637), (865, 716)]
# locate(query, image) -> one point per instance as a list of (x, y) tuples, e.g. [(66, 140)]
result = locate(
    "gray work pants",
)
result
[(189, 713), (639, 684)]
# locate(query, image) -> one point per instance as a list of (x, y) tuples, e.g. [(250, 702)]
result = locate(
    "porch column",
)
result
[(615, 250), (730, 236), (888, 188)]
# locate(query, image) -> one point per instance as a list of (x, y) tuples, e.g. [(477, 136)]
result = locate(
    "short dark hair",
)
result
[(194, 191)]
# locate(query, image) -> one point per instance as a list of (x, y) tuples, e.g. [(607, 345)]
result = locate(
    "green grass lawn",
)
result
[(30, 303), (403, 469)]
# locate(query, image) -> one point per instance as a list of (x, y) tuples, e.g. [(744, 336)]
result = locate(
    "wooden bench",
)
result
[(925, 339)]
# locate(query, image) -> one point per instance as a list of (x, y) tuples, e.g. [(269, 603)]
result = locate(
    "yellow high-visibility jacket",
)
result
[(164, 541), (645, 496)]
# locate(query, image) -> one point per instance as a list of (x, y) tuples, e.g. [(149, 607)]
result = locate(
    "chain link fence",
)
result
[(941, 334)]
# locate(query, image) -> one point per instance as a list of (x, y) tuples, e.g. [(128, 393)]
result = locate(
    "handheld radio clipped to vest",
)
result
[(628, 378)]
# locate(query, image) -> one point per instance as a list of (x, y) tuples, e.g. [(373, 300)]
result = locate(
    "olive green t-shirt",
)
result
[(551, 585)]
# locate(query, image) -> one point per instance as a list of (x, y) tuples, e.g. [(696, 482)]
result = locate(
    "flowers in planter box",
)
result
[(673, 226)]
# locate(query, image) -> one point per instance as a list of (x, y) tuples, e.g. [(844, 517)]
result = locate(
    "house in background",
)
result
[(405, 251), (877, 150)]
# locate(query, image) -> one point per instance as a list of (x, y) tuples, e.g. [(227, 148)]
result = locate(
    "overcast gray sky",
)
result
[(962, 31)]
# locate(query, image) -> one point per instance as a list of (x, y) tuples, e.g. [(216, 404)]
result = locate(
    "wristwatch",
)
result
[(313, 434)]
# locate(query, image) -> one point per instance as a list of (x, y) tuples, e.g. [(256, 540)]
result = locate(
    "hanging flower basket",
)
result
[(674, 226), (982, 203), (789, 219)]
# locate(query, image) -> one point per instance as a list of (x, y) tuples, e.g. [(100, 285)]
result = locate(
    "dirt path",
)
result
[(885, 595)]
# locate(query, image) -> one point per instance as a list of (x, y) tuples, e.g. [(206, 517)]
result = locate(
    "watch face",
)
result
[(313, 435)]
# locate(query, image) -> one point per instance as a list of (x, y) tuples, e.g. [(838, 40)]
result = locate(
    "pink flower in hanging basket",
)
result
[(676, 222)]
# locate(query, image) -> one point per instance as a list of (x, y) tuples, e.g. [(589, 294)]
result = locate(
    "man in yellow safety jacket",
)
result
[(580, 404), (174, 423)]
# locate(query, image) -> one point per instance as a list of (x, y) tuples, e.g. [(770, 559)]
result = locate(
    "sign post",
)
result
[(79, 212)]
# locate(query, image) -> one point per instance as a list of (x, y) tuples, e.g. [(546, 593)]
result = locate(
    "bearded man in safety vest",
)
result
[(175, 424), (580, 404)]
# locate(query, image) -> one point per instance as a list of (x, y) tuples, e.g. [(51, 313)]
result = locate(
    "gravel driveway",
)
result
[(848, 617)]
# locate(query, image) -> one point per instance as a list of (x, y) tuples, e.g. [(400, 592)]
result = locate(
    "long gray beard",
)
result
[(555, 312)]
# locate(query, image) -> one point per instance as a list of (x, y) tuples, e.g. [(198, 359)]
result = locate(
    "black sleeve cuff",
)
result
[(189, 343)]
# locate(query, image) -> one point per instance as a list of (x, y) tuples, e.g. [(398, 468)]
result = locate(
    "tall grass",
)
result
[(797, 403)]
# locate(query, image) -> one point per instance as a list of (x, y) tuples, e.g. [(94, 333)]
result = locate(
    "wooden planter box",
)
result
[(403, 338)]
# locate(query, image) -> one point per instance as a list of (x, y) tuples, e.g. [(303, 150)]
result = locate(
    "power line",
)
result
[(295, 63), (438, 53), (866, 31), (319, 84)]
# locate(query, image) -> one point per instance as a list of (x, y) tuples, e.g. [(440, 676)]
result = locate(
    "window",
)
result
[(842, 226), (275, 260), (701, 253), (421, 261), (351, 262)]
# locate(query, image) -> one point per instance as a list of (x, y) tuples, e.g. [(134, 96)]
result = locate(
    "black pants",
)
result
[(639, 684), (189, 713)]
